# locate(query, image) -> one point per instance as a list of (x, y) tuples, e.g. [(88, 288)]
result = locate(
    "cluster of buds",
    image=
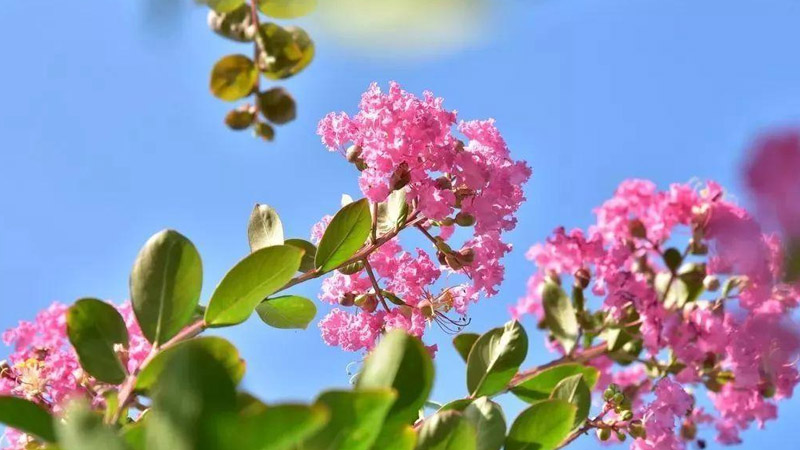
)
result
[(455, 260), (616, 400)]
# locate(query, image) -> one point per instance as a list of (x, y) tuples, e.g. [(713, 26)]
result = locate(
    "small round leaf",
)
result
[(233, 77)]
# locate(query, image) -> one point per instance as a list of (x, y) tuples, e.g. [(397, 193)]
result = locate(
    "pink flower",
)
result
[(771, 175), (401, 141)]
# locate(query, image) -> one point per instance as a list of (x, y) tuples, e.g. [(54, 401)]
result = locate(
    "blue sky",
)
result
[(110, 134)]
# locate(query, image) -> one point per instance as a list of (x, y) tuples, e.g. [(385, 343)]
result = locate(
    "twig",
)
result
[(375, 284)]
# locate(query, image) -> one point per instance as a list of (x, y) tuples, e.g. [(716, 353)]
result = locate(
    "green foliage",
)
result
[(355, 420), (307, 263), (94, 328), (277, 106), (464, 342), (574, 390), (286, 9), (495, 358), (540, 385), (346, 233), (83, 429), (264, 228), (446, 430), (489, 423), (392, 212), (222, 6), (559, 315), (233, 77), (284, 51), (288, 311), (542, 426), (28, 417), (165, 285), (222, 350), (236, 25), (254, 278), (194, 402), (280, 427), (401, 362)]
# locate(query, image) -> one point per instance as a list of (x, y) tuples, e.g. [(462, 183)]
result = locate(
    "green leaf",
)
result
[(135, 435), (222, 6), (456, 405), (277, 105), (236, 25), (307, 263), (240, 118), (673, 259), (233, 77), (281, 427), (575, 391), (27, 417), (489, 422), (284, 51), (288, 311), (396, 437), (251, 280), (219, 348), (286, 9), (264, 228), (165, 285), (346, 233), (401, 362), (464, 342), (194, 404), (355, 419), (495, 358), (559, 315), (447, 430), (94, 327), (84, 430), (540, 385), (542, 426), (392, 213)]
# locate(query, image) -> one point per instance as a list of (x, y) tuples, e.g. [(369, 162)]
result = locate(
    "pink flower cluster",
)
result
[(401, 142), (772, 178), (721, 314), (43, 367)]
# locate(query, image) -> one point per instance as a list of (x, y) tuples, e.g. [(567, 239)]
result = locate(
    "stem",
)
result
[(427, 234), (591, 423), (583, 356), (375, 284), (128, 386)]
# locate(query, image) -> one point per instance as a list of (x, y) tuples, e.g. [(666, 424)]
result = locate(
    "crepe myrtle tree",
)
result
[(670, 295)]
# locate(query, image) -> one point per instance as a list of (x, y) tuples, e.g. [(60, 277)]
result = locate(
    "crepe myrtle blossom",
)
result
[(695, 287), (453, 174), (44, 368)]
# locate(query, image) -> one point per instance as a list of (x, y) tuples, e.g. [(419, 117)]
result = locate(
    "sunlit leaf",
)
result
[(264, 228), (446, 430), (540, 385), (94, 328), (346, 233), (219, 348), (286, 9), (542, 426), (495, 358), (559, 315), (284, 51), (288, 311), (233, 77)]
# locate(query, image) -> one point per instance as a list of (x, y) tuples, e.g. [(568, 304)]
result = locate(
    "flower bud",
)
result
[(459, 146), (608, 394), (353, 153), (688, 431), (447, 221), (453, 262), (466, 256), (401, 177), (582, 278), (465, 219), (443, 183), (711, 283), (441, 257), (621, 436), (442, 245), (618, 398), (368, 303), (347, 299), (637, 229), (636, 429), (767, 389), (626, 415), (603, 434)]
